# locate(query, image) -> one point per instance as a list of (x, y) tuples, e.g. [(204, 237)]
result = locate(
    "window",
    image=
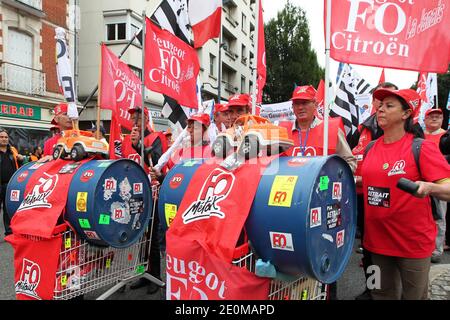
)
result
[(243, 84), (244, 24), (116, 31), (212, 63), (244, 54), (250, 87)]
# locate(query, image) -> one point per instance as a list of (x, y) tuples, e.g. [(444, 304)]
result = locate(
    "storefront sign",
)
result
[(17, 110)]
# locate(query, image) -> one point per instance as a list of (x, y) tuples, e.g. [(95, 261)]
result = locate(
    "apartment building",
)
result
[(115, 22), (28, 83)]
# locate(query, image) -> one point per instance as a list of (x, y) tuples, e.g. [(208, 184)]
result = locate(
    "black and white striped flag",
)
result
[(172, 15), (351, 85)]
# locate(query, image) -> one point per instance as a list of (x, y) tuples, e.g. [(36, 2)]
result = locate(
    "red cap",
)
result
[(137, 109), (61, 108), (410, 96), (203, 118), (430, 111), (239, 100), (220, 108), (304, 93)]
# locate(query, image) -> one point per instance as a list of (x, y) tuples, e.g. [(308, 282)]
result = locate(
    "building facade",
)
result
[(115, 22), (28, 83)]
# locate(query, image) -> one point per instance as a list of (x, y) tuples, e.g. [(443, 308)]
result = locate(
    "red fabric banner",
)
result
[(171, 66), (45, 199), (205, 232), (206, 20), (115, 139), (35, 264), (411, 35), (262, 72), (120, 88)]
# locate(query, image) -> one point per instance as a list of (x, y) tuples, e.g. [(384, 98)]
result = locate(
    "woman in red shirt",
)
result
[(399, 228)]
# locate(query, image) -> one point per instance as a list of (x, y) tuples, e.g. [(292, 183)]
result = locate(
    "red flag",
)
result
[(382, 77), (262, 72), (120, 88), (206, 20), (115, 139), (171, 66), (411, 35), (320, 98), (422, 87)]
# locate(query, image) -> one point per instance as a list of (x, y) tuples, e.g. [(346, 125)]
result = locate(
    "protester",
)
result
[(155, 144), (64, 123), (238, 105), (433, 132), (307, 130), (399, 228), (9, 163), (37, 154), (367, 132), (102, 131), (444, 146), (221, 122)]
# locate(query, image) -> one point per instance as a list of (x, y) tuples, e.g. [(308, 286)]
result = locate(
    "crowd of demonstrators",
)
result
[(399, 229), (368, 131)]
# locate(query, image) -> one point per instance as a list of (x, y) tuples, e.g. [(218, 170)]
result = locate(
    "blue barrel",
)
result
[(110, 203), (15, 191), (303, 217)]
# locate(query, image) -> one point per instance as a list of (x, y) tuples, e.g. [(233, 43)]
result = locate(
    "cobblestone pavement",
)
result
[(440, 282)]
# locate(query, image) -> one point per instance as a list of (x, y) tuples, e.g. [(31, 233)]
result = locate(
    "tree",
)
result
[(443, 91), (290, 59)]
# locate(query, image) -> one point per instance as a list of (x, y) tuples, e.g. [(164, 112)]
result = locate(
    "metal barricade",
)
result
[(300, 289)]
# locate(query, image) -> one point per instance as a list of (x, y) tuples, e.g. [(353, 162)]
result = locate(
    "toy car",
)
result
[(78, 145), (252, 136)]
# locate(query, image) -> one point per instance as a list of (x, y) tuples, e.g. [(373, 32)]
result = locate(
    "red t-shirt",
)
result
[(397, 223), (50, 144)]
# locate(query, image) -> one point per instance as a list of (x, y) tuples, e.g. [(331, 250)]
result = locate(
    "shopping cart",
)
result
[(84, 268), (299, 289)]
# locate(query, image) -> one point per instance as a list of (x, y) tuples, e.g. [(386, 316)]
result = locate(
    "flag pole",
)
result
[(144, 31), (327, 76), (219, 72), (255, 69)]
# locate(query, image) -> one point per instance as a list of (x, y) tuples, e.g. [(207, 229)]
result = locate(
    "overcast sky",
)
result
[(314, 13)]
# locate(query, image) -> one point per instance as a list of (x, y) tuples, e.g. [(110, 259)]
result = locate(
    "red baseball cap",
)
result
[(304, 93), (239, 100), (430, 111), (203, 118), (61, 108), (220, 108), (137, 109), (410, 96)]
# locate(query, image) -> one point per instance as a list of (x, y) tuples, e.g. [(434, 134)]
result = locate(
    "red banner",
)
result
[(120, 88), (262, 72), (35, 264), (171, 66), (210, 220), (45, 199), (411, 35)]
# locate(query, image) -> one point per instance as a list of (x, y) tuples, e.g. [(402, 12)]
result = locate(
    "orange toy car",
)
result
[(78, 145), (253, 136)]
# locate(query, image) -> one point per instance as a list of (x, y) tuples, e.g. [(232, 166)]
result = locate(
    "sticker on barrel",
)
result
[(315, 217), (82, 198), (281, 241), (337, 191), (15, 196), (170, 211), (340, 238), (282, 191)]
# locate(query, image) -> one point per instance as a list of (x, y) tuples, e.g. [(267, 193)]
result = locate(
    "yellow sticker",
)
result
[(171, 212), (282, 191), (82, 198), (108, 263), (64, 280), (68, 243)]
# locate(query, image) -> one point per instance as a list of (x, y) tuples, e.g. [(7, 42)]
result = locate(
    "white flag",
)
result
[(64, 73)]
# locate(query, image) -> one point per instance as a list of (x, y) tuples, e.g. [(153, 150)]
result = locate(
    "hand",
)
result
[(425, 188), (45, 159), (155, 173), (135, 136)]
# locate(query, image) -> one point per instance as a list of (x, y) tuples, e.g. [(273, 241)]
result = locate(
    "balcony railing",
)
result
[(36, 4), (22, 79), (229, 87)]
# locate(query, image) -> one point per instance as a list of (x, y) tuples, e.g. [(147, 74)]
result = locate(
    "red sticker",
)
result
[(87, 175), (22, 176), (176, 181)]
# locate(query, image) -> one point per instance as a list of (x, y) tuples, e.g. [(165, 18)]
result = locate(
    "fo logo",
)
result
[(88, 175), (281, 241), (309, 152), (21, 178), (38, 197), (398, 168), (216, 188), (29, 279), (176, 181)]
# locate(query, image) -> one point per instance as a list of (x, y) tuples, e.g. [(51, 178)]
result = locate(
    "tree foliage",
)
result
[(290, 59)]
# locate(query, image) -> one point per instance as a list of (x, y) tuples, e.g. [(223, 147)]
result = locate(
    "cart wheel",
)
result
[(77, 153), (249, 147)]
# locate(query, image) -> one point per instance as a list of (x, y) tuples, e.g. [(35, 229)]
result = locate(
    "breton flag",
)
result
[(345, 105), (427, 90), (172, 16), (206, 20), (64, 73)]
